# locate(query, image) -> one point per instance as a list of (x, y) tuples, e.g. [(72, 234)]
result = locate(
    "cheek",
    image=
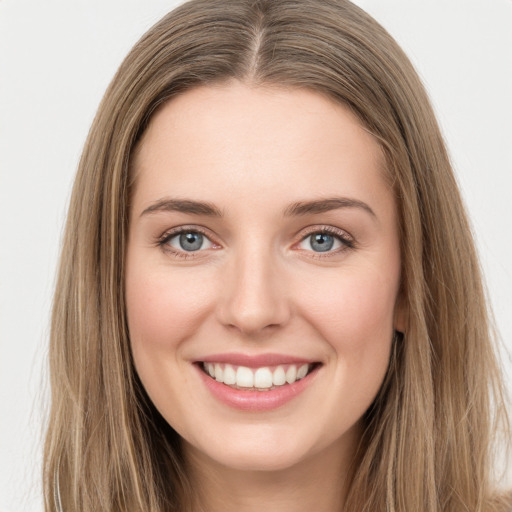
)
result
[(163, 308), (354, 314), (355, 303)]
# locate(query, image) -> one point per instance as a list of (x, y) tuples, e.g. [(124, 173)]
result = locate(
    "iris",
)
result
[(321, 242), (191, 241)]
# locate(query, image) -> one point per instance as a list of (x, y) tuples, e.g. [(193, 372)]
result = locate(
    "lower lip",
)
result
[(256, 401)]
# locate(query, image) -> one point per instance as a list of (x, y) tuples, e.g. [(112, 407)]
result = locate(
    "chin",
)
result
[(258, 461), (251, 453)]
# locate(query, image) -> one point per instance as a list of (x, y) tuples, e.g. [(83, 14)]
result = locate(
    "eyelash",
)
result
[(163, 241), (347, 241)]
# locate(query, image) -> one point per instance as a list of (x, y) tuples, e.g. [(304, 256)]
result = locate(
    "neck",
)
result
[(319, 483)]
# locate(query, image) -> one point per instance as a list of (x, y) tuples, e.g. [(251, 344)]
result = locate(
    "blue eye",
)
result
[(321, 242), (189, 241)]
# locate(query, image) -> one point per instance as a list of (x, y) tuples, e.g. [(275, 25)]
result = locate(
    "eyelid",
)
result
[(347, 240), (169, 233), (162, 240)]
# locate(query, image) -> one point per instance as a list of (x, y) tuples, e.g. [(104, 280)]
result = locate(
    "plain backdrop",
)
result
[(56, 59)]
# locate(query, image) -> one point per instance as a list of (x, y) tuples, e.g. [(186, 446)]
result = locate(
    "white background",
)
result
[(56, 59)]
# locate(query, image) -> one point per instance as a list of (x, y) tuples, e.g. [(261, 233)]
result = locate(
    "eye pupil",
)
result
[(321, 242), (191, 241)]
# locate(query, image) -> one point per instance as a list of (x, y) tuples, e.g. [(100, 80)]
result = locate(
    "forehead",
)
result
[(233, 140)]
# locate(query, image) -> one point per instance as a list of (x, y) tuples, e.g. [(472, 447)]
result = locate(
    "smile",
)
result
[(256, 383), (265, 378)]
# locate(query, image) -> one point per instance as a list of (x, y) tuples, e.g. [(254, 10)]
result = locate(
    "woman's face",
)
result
[(263, 244)]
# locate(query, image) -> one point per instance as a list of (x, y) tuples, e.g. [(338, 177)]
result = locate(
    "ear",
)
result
[(401, 314)]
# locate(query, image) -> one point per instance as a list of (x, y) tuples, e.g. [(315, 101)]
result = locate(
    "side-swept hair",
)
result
[(428, 438)]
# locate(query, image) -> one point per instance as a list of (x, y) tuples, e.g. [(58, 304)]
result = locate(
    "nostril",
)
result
[(252, 299)]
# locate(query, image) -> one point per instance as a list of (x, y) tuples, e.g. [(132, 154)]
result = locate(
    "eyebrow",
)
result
[(295, 209), (184, 206), (326, 205)]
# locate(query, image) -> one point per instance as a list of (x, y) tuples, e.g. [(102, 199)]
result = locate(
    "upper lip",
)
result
[(254, 361)]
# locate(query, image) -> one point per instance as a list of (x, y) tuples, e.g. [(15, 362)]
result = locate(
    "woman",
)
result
[(262, 299)]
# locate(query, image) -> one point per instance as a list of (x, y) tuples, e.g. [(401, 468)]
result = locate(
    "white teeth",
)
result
[(279, 377), (244, 377), (219, 373), (301, 372), (291, 374), (229, 375), (261, 378)]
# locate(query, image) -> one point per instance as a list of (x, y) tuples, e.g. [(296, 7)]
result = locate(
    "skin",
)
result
[(257, 286)]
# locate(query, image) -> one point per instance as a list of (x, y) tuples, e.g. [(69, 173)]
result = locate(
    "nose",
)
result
[(254, 299)]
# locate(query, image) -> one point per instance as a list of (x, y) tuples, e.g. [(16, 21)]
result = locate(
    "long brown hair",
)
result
[(429, 435)]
